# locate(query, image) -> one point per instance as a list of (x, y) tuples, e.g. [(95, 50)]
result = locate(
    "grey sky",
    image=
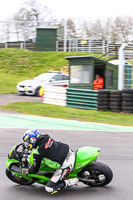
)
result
[(80, 9)]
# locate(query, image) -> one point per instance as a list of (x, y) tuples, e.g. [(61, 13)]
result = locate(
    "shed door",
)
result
[(99, 68)]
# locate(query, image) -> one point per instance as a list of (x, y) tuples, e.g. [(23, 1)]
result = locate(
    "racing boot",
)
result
[(71, 182), (61, 185)]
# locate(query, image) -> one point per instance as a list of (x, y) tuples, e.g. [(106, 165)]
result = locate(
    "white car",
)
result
[(32, 87)]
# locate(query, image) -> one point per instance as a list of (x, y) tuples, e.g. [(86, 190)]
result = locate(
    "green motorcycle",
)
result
[(86, 168)]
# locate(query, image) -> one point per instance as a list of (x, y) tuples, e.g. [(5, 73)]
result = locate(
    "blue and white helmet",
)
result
[(30, 138)]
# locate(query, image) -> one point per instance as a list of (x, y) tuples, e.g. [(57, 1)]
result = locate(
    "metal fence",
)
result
[(94, 46), (19, 45), (83, 45), (22, 34), (77, 45)]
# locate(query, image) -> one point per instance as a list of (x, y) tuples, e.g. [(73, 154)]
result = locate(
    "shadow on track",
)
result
[(77, 192)]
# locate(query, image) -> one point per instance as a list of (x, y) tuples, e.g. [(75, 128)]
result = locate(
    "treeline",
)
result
[(22, 26)]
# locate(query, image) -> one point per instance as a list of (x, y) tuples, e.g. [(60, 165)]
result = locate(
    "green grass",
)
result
[(8, 82), (54, 111), (20, 64), (23, 62)]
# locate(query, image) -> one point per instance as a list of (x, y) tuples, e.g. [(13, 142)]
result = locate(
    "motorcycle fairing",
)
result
[(86, 155)]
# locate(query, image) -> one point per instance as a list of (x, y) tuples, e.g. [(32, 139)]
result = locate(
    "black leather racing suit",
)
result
[(50, 149)]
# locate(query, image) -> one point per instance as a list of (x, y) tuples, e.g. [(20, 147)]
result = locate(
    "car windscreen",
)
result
[(43, 77)]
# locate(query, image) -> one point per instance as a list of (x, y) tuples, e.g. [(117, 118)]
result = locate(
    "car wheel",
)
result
[(37, 91)]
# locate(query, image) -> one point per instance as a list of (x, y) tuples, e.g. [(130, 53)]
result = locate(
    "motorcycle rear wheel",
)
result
[(18, 179), (99, 175)]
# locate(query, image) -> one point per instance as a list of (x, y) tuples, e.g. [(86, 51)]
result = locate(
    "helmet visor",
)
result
[(26, 142)]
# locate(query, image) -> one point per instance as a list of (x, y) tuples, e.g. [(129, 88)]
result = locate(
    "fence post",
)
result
[(107, 51), (57, 49), (21, 45), (121, 67), (65, 34), (70, 44), (76, 45), (90, 45), (6, 45), (103, 46)]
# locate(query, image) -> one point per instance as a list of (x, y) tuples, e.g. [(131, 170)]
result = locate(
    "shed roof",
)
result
[(90, 57), (44, 28)]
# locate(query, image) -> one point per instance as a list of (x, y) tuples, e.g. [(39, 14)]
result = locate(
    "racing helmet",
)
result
[(30, 138)]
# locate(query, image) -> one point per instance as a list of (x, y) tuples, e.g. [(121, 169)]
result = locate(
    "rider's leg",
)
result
[(57, 181)]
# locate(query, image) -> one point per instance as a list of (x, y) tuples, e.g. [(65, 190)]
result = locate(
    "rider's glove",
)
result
[(24, 171)]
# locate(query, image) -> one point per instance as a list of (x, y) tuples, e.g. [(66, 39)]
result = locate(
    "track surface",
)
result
[(116, 151), (10, 98)]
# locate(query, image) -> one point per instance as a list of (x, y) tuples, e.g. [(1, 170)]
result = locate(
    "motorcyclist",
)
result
[(46, 147)]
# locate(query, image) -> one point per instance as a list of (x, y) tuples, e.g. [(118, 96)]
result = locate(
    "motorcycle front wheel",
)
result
[(18, 179), (96, 175)]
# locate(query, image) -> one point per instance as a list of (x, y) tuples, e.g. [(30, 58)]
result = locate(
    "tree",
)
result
[(31, 15), (94, 30), (124, 28), (22, 24), (71, 29), (117, 30), (111, 31)]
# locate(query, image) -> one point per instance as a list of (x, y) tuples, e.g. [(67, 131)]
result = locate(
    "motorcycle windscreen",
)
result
[(12, 154)]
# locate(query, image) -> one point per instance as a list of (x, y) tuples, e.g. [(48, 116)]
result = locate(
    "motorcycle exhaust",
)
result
[(86, 180)]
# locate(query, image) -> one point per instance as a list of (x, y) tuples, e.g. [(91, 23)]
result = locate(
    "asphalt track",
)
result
[(116, 151)]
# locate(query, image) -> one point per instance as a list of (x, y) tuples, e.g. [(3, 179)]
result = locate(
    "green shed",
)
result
[(46, 39), (82, 71)]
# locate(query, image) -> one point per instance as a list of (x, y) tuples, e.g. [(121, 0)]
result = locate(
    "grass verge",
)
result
[(55, 111), (20, 64)]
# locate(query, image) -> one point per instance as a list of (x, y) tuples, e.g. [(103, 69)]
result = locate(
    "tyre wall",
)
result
[(70, 97), (55, 95), (127, 100), (103, 100), (115, 100), (109, 100)]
